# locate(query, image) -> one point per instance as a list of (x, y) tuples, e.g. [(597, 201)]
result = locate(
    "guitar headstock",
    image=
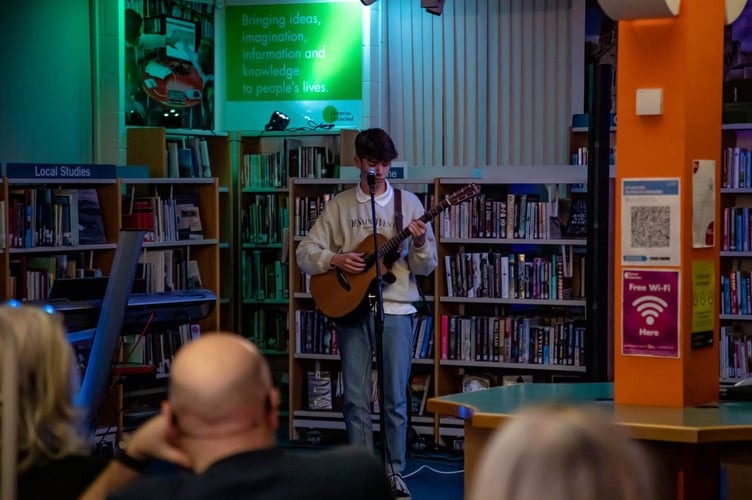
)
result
[(463, 194)]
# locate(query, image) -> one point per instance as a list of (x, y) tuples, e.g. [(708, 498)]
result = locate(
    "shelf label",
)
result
[(80, 171), (396, 173)]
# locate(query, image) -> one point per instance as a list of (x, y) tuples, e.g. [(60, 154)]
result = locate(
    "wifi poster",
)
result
[(650, 313)]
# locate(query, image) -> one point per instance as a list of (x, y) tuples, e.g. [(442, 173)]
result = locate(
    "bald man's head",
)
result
[(219, 381)]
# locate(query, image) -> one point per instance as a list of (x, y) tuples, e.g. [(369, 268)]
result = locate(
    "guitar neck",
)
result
[(394, 242)]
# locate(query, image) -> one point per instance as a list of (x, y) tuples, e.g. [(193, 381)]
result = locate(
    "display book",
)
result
[(735, 253), (510, 293)]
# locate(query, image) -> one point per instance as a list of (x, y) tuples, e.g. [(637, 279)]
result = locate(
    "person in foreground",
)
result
[(331, 243), (54, 458), (220, 420), (562, 452)]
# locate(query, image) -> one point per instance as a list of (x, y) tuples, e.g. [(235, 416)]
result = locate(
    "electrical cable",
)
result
[(410, 474)]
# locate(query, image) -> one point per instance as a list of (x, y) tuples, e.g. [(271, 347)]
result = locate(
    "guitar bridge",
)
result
[(343, 281)]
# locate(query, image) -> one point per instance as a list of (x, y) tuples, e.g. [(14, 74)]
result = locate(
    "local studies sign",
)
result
[(650, 312), (302, 59)]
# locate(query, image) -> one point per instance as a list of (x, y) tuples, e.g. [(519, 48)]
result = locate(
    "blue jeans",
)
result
[(357, 343)]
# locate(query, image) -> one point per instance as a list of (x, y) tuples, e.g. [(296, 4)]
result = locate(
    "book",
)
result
[(319, 390), (188, 222), (90, 224), (205, 160), (420, 384), (193, 276), (578, 217)]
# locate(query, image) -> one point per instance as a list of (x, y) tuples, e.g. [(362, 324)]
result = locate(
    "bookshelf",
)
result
[(181, 248), (556, 315), (310, 336), (509, 288), (735, 253), (211, 181), (39, 242), (269, 165), (578, 139)]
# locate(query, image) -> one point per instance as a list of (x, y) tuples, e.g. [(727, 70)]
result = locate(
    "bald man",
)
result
[(220, 421)]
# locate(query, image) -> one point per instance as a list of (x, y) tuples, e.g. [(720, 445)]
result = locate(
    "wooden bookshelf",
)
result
[(215, 199), (735, 253), (271, 166)]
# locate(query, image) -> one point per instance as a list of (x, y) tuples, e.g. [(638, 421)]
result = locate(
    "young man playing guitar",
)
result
[(336, 243)]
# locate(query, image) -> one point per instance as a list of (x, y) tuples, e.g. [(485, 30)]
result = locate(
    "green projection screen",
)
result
[(303, 59)]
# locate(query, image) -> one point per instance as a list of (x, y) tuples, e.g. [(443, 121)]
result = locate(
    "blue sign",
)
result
[(58, 171), (396, 173)]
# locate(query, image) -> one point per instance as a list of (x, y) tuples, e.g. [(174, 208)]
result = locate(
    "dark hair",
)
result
[(375, 144)]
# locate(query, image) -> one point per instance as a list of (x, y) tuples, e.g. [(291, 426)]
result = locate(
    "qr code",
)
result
[(650, 227)]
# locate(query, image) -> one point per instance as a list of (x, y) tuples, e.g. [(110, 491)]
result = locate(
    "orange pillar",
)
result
[(683, 57)]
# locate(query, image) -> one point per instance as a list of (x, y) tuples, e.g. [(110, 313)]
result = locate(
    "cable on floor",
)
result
[(404, 476)]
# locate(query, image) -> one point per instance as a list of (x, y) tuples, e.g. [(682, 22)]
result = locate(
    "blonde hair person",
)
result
[(49, 436), (562, 452)]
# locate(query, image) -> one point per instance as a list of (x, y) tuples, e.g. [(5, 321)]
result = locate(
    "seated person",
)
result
[(221, 420), (53, 453), (562, 452)]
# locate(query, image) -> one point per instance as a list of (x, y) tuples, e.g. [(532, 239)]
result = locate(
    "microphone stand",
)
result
[(379, 322)]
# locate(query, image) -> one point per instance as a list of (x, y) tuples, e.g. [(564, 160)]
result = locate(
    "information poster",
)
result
[(650, 222), (703, 301), (703, 203), (301, 59), (650, 312)]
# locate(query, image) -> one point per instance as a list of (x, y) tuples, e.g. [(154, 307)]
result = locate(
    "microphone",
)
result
[(371, 177)]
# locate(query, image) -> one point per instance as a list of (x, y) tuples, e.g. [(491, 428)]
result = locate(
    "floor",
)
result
[(430, 474)]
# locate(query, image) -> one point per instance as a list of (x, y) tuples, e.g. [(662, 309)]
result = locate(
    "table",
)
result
[(688, 442)]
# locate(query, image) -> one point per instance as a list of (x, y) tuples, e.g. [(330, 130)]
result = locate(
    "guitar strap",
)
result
[(398, 209)]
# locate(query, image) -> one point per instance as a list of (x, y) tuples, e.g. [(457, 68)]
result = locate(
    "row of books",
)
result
[(264, 219), (269, 170), (314, 334), (263, 278), (735, 351), (267, 328), (736, 292), (307, 210), (168, 270), (580, 156), (516, 275), (174, 218), (311, 162), (735, 223), (32, 276), (522, 216), (737, 168), (158, 349), (423, 337), (188, 157), (512, 339), (263, 170), (52, 217)]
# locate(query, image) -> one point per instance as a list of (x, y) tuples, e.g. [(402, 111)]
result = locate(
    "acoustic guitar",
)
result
[(341, 295)]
